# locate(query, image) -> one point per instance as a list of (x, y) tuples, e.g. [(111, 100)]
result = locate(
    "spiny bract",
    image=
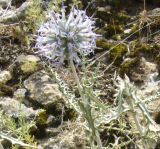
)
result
[(64, 37)]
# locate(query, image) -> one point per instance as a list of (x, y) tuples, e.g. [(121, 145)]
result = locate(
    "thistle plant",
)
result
[(128, 98), (65, 37), (70, 37)]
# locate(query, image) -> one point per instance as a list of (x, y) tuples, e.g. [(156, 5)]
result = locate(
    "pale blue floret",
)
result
[(64, 37)]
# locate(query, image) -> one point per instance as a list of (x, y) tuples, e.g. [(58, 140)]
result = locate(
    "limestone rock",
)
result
[(5, 76), (4, 3), (66, 139), (19, 94), (43, 89), (14, 108)]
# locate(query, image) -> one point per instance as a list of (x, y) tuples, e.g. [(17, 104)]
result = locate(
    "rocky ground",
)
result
[(31, 101)]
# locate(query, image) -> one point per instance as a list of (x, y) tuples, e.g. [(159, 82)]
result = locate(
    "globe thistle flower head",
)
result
[(66, 36)]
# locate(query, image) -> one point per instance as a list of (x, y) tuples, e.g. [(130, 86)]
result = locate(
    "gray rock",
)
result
[(4, 3), (5, 76), (19, 94), (68, 139), (5, 144), (43, 89), (14, 108)]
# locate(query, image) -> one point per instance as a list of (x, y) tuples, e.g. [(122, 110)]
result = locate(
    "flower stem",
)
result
[(86, 109), (80, 89)]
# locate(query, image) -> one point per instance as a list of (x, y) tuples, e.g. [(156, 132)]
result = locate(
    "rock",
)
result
[(19, 94), (4, 3), (5, 76), (5, 144), (139, 70), (52, 132), (14, 108), (67, 139), (43, 89), (27, 64), (155, 12)]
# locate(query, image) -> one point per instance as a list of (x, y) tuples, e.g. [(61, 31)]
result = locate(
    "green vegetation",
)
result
[(16, 133)]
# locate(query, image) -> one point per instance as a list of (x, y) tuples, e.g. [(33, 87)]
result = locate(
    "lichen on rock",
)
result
[(27, 64)]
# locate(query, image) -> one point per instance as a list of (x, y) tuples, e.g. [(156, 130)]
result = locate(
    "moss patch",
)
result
[(127, 65), (144, 50), (117, 54), (42, 117), (111, 30), (103, 44), (29, 67)]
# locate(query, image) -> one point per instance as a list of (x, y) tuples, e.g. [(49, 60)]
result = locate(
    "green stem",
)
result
[(80, 89), (87, 110)]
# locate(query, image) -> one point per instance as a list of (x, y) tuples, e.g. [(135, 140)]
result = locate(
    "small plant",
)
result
[(35, 16), (17, 135), (128, 99), (145, 20), (70, 38), (56, 4)]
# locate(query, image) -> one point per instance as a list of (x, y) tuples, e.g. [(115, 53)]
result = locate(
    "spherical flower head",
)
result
[(66, 37)]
